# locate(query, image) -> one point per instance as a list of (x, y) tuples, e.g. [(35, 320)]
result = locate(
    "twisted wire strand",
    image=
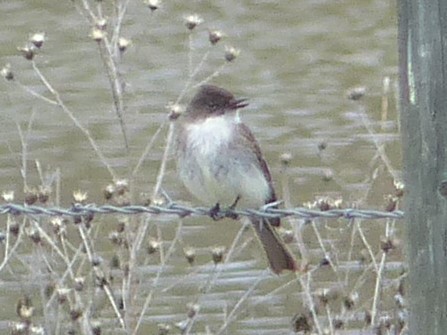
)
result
[(182, 211)]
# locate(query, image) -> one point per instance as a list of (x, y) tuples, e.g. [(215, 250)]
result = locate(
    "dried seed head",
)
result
[(75, 313), (20, 328), (287, 235), (302, 323), (108, 192), (96, 328), (326, 295), (175, 110), (8, 196), (325, 261), (192, 310), (285, 158), (97, 34), (324, 203), (367, 318), (6, 72), (123, 44), (192, 21), (79, 283), (217, 254), (24, 308), (322, 146), (120, 302), (122, 186), (31, 196), (14, 227), (115, 238), (101, 24), (158, 201), (338, 203), (389, 243), (97, 260), (391, 202), (77, 219), (80, 196), (351, 300), (36, 330), (28, 51), (121, 226), (190, 254), (100, 279), (338, 323), (356, 93), (309, 204), (44, 194), (163, 329), (152, 4), (214, 36), (153, 246), (62, 294), (399, 188), (385, 244), (34, 235), (37, 39), (231, 53), (58, 225)]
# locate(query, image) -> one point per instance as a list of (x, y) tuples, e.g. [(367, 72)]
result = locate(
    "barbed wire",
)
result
[(183, 211)]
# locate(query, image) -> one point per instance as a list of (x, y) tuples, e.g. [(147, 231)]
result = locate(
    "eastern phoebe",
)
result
[(220, 163)]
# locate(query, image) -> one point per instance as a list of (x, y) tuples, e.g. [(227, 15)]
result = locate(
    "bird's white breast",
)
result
[(215, 170), (211, 134)]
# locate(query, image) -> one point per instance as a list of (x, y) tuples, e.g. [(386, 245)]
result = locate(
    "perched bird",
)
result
[(220, 162)]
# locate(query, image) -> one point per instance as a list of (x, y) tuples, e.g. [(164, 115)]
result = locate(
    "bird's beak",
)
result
[(238, 103)]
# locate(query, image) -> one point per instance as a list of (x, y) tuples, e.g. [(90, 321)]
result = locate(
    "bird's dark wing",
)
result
[(250, 140)]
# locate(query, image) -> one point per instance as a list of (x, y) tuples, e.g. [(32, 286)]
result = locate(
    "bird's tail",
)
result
[(279, 257)]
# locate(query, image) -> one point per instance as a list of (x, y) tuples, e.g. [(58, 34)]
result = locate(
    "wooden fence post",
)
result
[(423, 96)]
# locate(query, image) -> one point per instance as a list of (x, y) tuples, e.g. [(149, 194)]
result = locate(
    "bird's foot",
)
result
[(215, 213), (230, 213)]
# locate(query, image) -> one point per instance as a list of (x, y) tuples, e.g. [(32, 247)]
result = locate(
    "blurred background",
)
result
[(320, 77)]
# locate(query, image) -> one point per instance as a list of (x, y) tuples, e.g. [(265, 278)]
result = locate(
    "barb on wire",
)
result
[(182, 211)]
